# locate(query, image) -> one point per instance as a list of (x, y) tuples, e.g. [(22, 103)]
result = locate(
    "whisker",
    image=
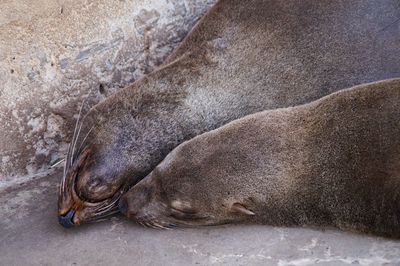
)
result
[(153, 226), (68, 158), (102, 217), (74, 135), (140, 223), (110, 204), (74, 144), (158, 226), (146, 224), (66, 166), (66, 161), (64, 177), (57, 163), (109, 207), (107, 210), (84, 139)]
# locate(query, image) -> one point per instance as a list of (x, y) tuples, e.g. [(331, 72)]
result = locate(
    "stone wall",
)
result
[(55, 53)]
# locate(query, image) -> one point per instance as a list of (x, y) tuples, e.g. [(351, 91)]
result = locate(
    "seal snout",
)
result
[(66, 220)]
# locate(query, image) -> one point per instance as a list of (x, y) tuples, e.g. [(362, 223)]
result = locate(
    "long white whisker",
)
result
[(66, 163), (74, 135), (64, 175), (99, 218), (110, 208), (62, 186), (57, 163), (84, 139), (68, 156), (109, 205), (74, 145)]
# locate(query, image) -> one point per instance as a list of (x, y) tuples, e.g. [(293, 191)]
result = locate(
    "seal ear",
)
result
[(239, 208)]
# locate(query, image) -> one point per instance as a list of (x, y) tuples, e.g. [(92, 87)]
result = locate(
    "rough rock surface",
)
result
[(30, 235), (55, 53)]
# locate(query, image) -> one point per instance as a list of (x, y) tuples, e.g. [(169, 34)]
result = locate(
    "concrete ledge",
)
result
[(30, 235)]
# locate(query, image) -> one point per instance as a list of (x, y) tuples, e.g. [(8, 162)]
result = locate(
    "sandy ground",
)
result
[(30, 235)]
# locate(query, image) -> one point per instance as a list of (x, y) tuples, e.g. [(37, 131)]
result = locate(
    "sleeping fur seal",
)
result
[(241, 58), (332, 162)]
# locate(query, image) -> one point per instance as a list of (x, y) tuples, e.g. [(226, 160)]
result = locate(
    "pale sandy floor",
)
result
[(30, 235)]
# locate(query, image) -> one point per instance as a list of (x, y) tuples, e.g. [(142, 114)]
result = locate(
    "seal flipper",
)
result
[(239, 208)]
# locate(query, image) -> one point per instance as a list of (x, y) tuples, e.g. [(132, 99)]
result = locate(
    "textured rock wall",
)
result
[(55, 53)]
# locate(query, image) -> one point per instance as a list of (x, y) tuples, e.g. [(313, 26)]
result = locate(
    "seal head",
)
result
[(166, 199), (93, 180)]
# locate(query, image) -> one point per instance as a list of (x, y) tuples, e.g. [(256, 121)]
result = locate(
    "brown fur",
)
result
[(243, 57), (335, 161)]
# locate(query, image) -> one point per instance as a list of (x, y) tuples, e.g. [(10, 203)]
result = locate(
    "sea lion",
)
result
[(241, 58), (332, 162)]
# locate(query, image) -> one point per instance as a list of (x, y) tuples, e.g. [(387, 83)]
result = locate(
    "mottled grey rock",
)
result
[(53, 54)]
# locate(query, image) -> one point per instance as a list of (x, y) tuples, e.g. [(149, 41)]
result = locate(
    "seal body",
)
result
[(242, 57), (332, 162)]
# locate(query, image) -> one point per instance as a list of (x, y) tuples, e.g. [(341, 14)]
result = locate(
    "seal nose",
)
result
[(66, 220), (123, 206)]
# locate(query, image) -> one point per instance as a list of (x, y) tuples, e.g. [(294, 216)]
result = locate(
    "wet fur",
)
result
[(333, 162), (242, 57)]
